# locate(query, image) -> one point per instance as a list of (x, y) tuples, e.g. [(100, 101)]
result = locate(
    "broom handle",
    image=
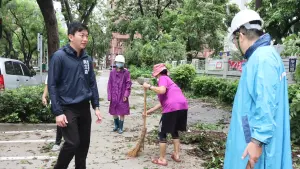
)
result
[(145, 107)]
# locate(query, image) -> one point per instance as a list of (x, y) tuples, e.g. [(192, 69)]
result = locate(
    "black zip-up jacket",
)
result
[(71, 79)]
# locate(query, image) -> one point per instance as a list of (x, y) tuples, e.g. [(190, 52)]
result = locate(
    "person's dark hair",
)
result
[(251, 34), (74, 27), (164, 72)]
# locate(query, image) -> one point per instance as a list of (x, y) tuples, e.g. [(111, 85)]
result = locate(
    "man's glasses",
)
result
[(235, 37)]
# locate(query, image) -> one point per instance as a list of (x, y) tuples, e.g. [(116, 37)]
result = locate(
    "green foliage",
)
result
[(18, 19), (22, 20), (24, 105), (197, 24), (98, 40), (99, 35), (292, 45), (183, 75), (156, 51), (225, 91), (132, 53), (220, 88), (279, 17), (297, 73), (78, 10), (136, 72), (294, 100), (170, 29), (169, 66)]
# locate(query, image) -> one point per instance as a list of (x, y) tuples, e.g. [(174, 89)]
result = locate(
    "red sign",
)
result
[(236, 64)]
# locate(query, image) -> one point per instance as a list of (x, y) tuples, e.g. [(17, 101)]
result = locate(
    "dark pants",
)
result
[(58, 135), (172, 122), (77, 136)]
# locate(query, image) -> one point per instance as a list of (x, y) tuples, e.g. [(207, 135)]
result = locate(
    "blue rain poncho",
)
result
[(261, 110)]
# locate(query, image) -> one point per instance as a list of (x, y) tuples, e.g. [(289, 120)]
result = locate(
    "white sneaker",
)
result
[(55, 148)]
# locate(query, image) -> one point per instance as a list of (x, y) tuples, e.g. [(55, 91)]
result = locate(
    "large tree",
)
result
[(18, 21), (48, 12), (78, 10), (6, 43), (189, 25), (281, 17)]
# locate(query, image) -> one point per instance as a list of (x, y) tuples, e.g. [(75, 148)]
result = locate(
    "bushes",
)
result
[(297, 74), (183, 75), (225, 90), (215, 87), (294, 100), (139, 72), (24, 105)]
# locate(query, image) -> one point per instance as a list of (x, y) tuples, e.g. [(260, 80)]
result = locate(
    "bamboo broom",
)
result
[(140, 144)]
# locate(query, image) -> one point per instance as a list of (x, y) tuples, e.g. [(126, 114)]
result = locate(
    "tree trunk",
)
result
[(48, 12), (10, 52), (86, 15), (66, 11), (258, 4)]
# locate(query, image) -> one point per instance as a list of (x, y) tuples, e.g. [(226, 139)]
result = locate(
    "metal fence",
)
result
[(227, 68)]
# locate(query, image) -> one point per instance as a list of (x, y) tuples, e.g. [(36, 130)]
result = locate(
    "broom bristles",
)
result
[(134, 152), (140, 144)]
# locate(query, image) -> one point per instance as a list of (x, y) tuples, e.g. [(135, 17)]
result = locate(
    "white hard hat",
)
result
[(243, 18), (120, 58)]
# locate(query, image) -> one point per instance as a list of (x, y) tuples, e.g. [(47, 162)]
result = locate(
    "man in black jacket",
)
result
[(72, 85)]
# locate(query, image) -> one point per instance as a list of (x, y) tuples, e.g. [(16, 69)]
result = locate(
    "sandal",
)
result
[(175, 159), (158, 162)]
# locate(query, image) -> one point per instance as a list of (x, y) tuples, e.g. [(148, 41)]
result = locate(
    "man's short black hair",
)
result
[(74, 27)]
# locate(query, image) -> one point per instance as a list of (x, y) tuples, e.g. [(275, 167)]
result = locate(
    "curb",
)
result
[(25, 127), (29, 125)]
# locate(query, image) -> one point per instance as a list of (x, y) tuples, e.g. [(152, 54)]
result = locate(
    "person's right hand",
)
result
[(61, 120), (146, 113), (146, 86), (44, 101)]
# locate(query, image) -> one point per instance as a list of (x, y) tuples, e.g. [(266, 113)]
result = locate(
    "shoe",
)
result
[(158, 162), (121, 123), (55, 147), (175, 159), (116, 121)]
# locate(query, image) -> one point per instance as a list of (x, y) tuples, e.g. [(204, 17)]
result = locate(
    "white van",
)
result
[(14, 73)]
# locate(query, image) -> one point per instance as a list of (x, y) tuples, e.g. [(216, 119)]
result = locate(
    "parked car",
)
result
[(36, 68), (14, 73)]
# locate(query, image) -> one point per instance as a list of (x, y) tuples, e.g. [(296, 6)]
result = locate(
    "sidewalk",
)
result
[(107, 149)]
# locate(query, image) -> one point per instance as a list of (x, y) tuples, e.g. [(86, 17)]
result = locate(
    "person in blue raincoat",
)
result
[(259, 134)]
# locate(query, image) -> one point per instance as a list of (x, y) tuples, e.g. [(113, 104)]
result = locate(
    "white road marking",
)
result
[(29, 131), (27, 158), (26, 141)]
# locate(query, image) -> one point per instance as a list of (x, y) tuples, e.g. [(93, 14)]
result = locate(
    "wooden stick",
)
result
[(145, 107)]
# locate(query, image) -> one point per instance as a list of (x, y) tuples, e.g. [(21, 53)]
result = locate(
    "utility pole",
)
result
[(40, 49)]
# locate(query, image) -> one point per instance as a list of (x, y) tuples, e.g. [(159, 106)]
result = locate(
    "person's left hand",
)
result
[(99, 117), (124, 99), (44, 101), (146, 85), (254, 151)]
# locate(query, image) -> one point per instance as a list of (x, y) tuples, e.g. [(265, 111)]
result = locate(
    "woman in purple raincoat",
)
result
[(118, 91)]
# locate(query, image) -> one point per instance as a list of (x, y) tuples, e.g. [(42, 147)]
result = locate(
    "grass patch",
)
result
[(209, 139)]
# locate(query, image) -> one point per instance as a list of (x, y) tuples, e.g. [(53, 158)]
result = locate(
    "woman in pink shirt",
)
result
[(174, 114)]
